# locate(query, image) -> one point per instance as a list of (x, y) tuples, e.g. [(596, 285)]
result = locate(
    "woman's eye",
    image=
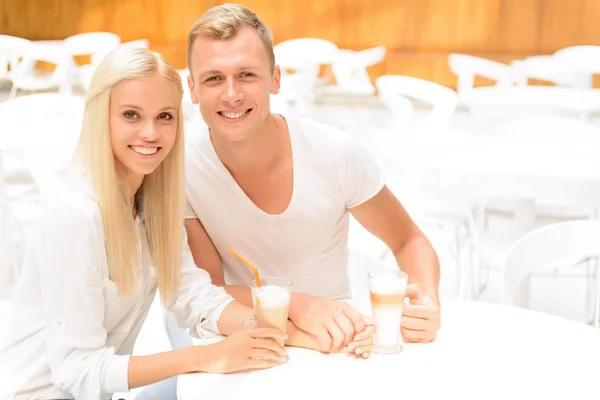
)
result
[(165, 116), (130, 114)]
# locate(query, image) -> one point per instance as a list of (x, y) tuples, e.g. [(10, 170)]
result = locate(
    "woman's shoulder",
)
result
[(71, 209)]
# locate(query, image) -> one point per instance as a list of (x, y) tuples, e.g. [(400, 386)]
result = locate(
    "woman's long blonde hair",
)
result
[(163, 189)]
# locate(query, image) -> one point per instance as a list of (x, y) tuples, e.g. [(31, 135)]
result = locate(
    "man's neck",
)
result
[(257, 153)]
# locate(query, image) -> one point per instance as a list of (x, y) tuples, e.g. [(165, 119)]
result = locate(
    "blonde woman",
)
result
[(100, 252)]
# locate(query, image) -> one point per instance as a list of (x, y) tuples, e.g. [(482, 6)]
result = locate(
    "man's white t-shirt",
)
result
[(308, 242)]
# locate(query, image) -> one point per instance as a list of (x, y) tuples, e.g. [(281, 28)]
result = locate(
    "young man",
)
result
[(279, 190)]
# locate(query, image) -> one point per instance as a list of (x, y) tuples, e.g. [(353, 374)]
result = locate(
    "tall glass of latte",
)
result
[(386, 290), (271, 302)]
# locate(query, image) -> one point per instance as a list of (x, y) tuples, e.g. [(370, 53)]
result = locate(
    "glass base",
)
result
[(397, 348)]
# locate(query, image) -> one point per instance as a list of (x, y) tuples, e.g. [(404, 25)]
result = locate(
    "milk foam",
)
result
[(386, 284), (272, 296)]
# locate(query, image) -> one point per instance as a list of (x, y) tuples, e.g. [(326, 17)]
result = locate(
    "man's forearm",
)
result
[(418, 259)]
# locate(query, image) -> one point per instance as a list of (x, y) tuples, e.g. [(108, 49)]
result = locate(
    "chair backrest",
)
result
[(546, 68), (350, 68), (466, 67), (551, 246), (305, 54), (584, 60), (13, 49), (91, 42), (583, 53), (442, 99), (56, 55)]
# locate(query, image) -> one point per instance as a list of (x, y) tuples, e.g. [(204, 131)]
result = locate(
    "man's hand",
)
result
[(334, 324), (421, 317)]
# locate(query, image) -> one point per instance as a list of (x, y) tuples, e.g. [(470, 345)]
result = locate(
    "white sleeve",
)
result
[(362, 177), (199, 303), (188, 212), (72, 295)]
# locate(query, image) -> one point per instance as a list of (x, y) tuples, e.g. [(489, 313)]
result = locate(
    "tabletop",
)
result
[(483, 350)]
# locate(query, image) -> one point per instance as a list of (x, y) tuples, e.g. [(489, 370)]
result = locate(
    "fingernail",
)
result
[(284, 358), (359, 351), (366, 355), (285, 336)]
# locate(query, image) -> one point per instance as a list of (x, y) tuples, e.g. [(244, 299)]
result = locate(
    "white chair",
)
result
[(552, 132), (12, 48), (546, 68), (466, 67), (27, 78), (525, 192), (584, 60), (93, 44), (394, 89), (300, 61), (350, 73), (549, 247), (87, 71), (45, 143)]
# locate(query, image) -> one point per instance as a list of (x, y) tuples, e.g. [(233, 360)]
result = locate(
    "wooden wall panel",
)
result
[(560, 24), (519, 27), (419, 34), (590, 24)]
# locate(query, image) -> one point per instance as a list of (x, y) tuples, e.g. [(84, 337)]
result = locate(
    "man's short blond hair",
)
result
[(223, 22)]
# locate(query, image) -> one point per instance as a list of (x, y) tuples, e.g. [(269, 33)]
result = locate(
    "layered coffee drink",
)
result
[(386, 290)]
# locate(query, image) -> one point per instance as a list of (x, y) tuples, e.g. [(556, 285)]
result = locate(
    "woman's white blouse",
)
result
[(71, 335)]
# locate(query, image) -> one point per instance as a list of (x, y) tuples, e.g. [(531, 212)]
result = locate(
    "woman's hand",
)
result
[(362, 344), (251, 349)]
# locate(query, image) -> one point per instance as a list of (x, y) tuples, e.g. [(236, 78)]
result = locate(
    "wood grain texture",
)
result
[(419, 34)]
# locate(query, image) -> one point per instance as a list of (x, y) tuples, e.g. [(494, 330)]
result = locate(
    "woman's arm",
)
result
[(74, 306)]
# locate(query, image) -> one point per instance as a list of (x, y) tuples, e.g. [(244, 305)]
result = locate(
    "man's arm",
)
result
[(207, 257), (384, 217), (333, 324)]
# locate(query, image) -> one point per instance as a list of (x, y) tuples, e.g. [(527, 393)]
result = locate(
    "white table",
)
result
[(483, 351)]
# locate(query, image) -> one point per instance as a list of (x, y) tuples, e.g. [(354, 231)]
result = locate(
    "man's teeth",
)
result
[(145, 150), (233, 115)]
